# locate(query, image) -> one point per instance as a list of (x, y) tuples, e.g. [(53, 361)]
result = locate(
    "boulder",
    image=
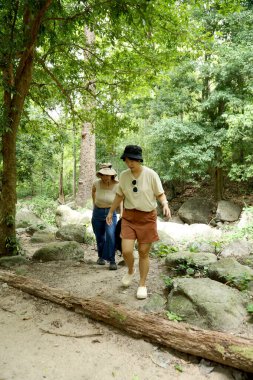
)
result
[(228, 211), (47, 229), (10, 261), (176, 219), (72, 232), (248, 260), (43, 236), (59, 251), (196, 210), (201, 246), (65, 215), (184, 233), (165, 238), (26, 218), (237, 248), (230, 272), (155, 303), (207, 304), (200, 260), (246, 219)]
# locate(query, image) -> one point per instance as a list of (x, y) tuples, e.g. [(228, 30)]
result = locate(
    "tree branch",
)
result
[(32, 28)]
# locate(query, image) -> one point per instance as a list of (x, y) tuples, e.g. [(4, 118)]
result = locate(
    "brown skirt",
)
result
[(139, 225)]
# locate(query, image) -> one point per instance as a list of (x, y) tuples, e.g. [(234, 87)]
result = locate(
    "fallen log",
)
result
[(217, 346)]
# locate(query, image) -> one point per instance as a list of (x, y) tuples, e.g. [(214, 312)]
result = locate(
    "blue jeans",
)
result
[(105, 234)]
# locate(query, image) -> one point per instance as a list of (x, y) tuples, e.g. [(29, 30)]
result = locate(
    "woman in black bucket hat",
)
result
[(139, 188)]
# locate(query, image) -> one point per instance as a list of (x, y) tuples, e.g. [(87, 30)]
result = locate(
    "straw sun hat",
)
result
[(106, 169)]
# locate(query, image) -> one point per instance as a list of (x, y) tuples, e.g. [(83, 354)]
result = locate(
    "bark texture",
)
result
[(16, 83), (87, 165), (219, 184), (216, 346), (88, 146)]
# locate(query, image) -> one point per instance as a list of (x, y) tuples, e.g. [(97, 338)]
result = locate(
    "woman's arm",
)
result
[(121, 207), (166, 210), (115, 204), (93, 194)]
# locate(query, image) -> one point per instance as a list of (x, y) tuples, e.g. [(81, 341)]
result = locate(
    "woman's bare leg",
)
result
[(127, 251), (143, 249)]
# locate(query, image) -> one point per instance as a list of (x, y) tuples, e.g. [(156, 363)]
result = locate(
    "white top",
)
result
[(149, 187), (104, 197)]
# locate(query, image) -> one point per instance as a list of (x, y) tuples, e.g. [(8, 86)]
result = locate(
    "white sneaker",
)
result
[(127, 278), (142, 293)]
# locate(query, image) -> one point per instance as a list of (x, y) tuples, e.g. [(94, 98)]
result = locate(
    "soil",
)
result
[(41, 340)]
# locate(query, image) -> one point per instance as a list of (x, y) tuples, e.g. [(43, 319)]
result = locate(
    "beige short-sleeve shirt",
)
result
[(104, 197), (149, 187)]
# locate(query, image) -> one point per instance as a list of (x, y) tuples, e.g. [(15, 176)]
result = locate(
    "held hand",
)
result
[(166, 212), (109, 218)]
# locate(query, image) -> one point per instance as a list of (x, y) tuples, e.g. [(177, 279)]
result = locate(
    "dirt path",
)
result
[(40, 340)]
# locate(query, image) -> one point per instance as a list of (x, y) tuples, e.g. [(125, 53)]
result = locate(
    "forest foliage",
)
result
[(175, 77), (187, 99)]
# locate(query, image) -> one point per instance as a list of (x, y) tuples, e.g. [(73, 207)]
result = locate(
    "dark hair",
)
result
[(132, 159)]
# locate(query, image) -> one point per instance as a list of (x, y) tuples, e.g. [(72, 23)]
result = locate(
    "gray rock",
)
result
[(45, 229), (229, 271), (184, 233), (26, 218), (237, 248), (166, 239), (43, 236), (72, 232), (65, 215), (207, 304), (228, 211), (196, 210), (206, 367), (20, 231), (161, 358), (10, 261), (176, 219), (59, 251), (155, 303), (196, 246), (197, 259), (246, 219), (247, 261)]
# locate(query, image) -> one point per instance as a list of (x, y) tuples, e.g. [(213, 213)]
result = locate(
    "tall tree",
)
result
[(16, 62), (88, 147), (40, 55)]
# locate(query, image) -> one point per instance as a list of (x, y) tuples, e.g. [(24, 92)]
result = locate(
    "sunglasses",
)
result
[(135, 188)]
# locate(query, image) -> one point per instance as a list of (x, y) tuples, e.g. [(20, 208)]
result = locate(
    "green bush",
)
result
[(162, 250)]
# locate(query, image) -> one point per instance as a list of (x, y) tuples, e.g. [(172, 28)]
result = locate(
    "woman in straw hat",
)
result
[(103, 194), (140, 187)]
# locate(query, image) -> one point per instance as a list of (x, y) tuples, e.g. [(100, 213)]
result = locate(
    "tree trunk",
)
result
[(88, 145), (8, 196), (87, 165), (216, 346), (74, 159), (61, 197), (206, 81), (219, 184), (16, 84)]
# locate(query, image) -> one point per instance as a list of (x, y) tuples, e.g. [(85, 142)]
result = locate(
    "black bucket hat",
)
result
[(133, 152)]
